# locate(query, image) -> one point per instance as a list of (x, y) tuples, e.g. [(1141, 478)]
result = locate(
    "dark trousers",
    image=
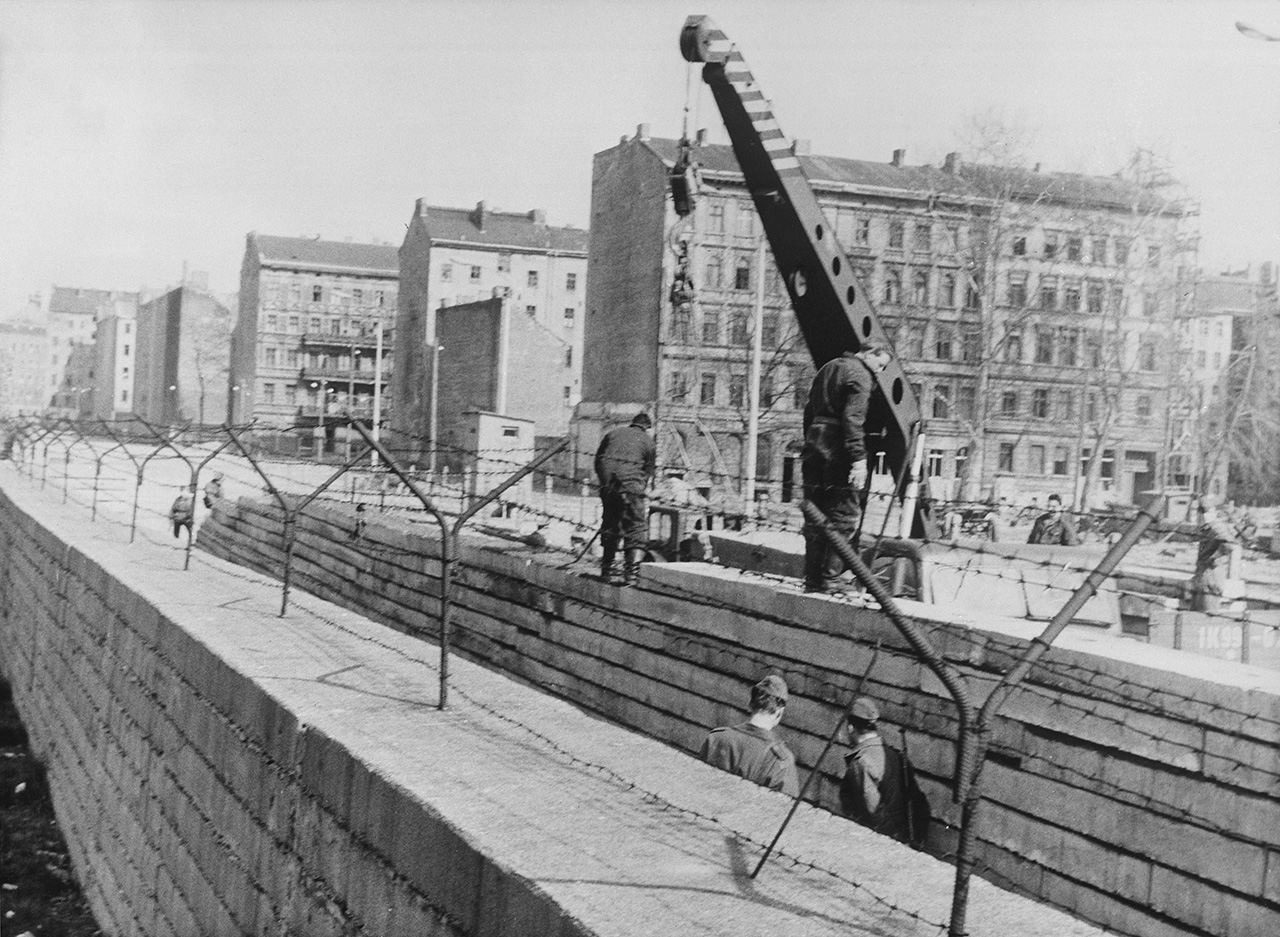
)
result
[(824, 468), (623, 521)]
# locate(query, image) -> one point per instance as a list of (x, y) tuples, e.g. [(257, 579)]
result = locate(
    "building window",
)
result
[(911, 334), (1048, 292), (272, 323), (973, 292), (1142, 408), (570, 317), (531, 279), (1094, 298), (568, 391), (570, 281), (1050, 246), (1068, 347), (1217, 363), (681, 325), (1044, 345), (379, 298), (1037, 460), (1099, 251), (1147, 353), (531, 311), (126, 351), (944, 342), (935, 463), (268, 393), (1122, 251), (1059, 460), (769, 330), (291, 358), (1006, 457), (892, 286), (1009, 403), (1075, 249), (1017, 290), (568, 357), (942, 401), (291, 394), (920, 288), (707, 392), (1040, 403), (962, 459), (335, 326), (316, 293), (293, 324), (739, 329), (710, 327), (897, 231), (862, 231), (737, 390), (315, 324), (1013, 347), (715, 219), (1066, 405), (504, 263), (715, 271), (922, 238), (1071, 296), (966, 402), (742, 274), (800, 381), (746, 220), (295, 292), (679, 387), (947, 291), (446, 273), (269, 356), (1020, 245)]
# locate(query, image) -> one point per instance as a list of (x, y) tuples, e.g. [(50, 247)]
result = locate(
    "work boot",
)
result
[(609, 563), (631, 568)]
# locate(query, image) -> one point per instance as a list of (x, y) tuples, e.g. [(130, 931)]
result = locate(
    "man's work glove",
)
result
[(858, 474)]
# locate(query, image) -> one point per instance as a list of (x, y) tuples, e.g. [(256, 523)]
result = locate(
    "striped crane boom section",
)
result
[(832, 309)]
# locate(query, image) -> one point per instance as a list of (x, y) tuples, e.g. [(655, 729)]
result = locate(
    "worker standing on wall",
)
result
[(624, 465), (833, 461)]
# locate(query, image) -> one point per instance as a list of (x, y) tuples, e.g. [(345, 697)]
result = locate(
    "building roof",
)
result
[(965, 182), (334, 256), (74, 300), (1224, 296), (483, 226)]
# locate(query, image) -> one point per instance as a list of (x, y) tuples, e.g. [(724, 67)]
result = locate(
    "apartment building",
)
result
[(312, 345), (1030, 309), (182, 355), (115, 346), (453, 257), (24, 368), (72, 317)]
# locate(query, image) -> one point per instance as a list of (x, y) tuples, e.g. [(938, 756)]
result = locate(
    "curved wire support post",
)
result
[(66, 456), (44, 470), (290, 513), (165, 443), (965, 860)]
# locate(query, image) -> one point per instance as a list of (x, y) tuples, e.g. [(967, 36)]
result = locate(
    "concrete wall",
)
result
[(194, 800), (1129, 784)]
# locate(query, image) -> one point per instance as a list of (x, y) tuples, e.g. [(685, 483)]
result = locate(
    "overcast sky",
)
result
[(135, 137)]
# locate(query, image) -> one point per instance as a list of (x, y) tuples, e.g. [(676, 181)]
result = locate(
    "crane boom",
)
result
[(834, 313)]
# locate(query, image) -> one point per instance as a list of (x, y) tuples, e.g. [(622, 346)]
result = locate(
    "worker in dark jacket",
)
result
[(1054, 526), (624, 465), (750, 749), (874, 788), (833, 461)]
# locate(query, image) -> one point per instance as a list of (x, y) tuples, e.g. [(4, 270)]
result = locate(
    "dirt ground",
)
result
[(39, 895)]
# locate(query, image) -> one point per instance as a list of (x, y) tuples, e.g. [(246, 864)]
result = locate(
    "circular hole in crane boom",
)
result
[(799, 283), (866, 326), (897, 390), (850, 294), (818, 231)]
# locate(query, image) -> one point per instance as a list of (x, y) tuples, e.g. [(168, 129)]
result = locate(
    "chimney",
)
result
[(951, 165), (1037, 168), (700, 138), (642, 132), (480, 214), (898, 157), (538, 216), (800, 147)]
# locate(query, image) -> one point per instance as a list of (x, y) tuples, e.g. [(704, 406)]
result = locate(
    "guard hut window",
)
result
[(511, 431)]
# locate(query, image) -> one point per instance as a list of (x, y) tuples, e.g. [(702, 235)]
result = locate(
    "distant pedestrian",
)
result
[(1213, 559), (624, 465), (878, 789), (183, 512), (1054, 526), (751, 749), (357, 529)]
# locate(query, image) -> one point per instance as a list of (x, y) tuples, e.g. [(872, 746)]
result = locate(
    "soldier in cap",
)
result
[(624, 465), (750, 749), (874, 788)]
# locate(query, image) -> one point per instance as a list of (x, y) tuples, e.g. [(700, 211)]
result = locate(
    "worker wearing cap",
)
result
[(874, 788), (833, 462), (750, 749), (624, 465)]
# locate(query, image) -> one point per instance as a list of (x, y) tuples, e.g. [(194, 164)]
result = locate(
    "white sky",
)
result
[(137, 136)]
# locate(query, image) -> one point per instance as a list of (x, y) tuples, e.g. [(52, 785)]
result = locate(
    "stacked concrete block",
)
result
[(1123, 785)]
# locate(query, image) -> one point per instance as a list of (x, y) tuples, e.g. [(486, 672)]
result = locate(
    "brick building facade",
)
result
[(460, 258), (305, 342), (1030, 309)]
